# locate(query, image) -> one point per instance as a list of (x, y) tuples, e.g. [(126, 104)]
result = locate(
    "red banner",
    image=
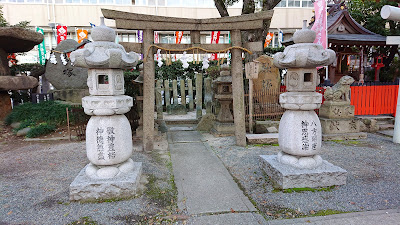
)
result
[(268, 39), (61, 33), (156, 37), (178, 35), (82, 34), (214, 40)]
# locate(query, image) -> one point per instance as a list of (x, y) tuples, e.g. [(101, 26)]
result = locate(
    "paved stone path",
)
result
[(204, 185)]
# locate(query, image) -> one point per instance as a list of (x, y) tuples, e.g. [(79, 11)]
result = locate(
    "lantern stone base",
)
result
[(176, 110), (223, 129), (86, 189), (285, 176)]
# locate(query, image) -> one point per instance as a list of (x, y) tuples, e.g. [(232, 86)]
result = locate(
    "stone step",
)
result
[(385, 126), (379, 119), (269, 138), (181, 121)]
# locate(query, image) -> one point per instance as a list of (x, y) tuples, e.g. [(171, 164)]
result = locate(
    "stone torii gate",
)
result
[(149, 24)]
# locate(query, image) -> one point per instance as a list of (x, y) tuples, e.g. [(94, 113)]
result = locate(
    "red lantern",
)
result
[(378, 64)]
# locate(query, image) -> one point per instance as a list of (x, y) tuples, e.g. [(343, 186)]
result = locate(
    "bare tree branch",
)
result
[(269, 4), (221, 7)]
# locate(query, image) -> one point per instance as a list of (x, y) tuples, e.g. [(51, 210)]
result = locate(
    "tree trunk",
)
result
[(221, 7), (258, 35)]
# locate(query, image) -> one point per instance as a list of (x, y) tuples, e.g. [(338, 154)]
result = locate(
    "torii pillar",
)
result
[(237, 89), (393, 13), (148, 92)]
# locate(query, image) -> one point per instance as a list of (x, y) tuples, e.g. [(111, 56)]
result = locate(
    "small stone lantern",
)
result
[(111, 172), (224, 122), (299, 163)]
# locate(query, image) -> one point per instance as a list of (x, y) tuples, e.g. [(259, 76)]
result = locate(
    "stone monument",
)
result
[(299, 163), (111, 172), (337, 115), (224, 125), (69, 81), (12, 40), (268, 80)]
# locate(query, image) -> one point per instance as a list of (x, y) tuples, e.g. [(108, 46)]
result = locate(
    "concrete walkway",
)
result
[(206, 190)]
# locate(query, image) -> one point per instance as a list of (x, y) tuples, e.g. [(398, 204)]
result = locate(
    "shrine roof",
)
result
[(357, 39)]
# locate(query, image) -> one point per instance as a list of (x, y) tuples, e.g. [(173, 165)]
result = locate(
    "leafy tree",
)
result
[(249, 7), (3, 21), (367, 13)]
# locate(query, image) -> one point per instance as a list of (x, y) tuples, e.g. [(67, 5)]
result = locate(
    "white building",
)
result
[(288, 16)]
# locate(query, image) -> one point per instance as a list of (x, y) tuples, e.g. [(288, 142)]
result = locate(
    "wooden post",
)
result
[(251, 106), (148, 92), (199, 95), (167, 95), (238, 89), (183, 93), (159, 105), (69, 130), (190, 90), (175, 92)]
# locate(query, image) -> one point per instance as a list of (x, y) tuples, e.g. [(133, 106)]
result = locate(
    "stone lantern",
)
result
[(299, 163), (224, 122), (111, 172), (13, 40)]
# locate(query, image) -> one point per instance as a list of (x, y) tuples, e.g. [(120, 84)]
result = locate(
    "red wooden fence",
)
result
[(374, 100)]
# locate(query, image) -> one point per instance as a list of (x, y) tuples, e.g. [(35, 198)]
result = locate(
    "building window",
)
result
[(206, 3), (173, 2), (167, 38), (293, 3), (283, 3), (123, 2), (308, 4), (106, 1), (140, 2)]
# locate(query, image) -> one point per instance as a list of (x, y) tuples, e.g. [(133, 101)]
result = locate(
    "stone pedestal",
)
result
[(176, 109), (337, 118), (222, 129), (84, 188), (285, 176), (341, 129)]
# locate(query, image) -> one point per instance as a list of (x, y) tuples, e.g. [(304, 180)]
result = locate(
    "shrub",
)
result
[(41, 129), (51, 112), (42, 118)]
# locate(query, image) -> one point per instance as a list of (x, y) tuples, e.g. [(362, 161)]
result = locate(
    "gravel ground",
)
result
[(373, 180), (35, 179)]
